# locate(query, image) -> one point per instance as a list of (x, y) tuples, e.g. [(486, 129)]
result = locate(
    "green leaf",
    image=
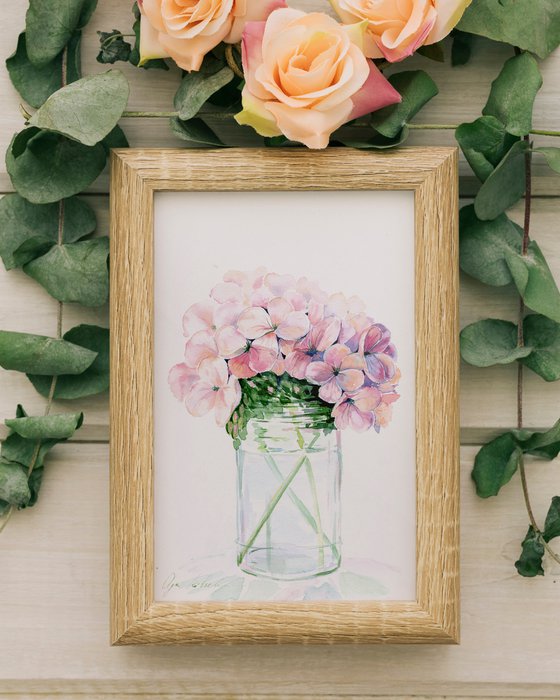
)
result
[(13, 483), (50, 25), (376, 142), (95, 380), (113, 47), (416, 89), (483, 246), (195, 131), (21, 221), (495, 464), (86, 110), (538, 443), (461, 48), (74, 272), (491, 342), (154, 63), (552, 522), (484, 142), (52, 167), (513, 93), (505, 185), (434, 52), (532, 553), (533, 26), (39, 354), (51, 427), (116, 139), (543, 335), (552, 156), (196, 88), (36, 83), (534, 281)]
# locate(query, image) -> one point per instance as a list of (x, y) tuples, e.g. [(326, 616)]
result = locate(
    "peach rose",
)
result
[(306, 75), (186, 30), (396, 28)]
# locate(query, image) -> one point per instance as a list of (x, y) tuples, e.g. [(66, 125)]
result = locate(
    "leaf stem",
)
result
[(232, 62), (521, 343)]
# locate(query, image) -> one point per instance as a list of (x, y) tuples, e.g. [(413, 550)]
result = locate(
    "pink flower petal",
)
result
[(198, 317), (227, 314), (294, 326), (375, 93), (367, 399), (227, 292), (200, 399), (331, 391), (350, 379), (214, 372), (227, 399), (199, 347), (263, 353), (297, 363), (375, 339), (335, 355), (181, 378), (230, 342), (319, 372), (325, 333), (278, 309), (254, 322)]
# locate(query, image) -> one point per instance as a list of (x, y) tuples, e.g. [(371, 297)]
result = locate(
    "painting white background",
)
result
[(351, 242)]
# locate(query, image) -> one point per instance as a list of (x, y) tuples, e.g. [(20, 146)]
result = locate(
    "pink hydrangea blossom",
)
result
[(339, 371), (214, 389), (355, 410)]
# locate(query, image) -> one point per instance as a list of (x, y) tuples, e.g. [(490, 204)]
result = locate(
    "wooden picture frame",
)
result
[(135, 616)]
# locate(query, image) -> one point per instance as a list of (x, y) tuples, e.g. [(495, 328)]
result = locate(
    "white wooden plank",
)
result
[(54, 611)]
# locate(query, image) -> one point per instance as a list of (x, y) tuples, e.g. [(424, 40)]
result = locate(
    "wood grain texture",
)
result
[(136, 617)]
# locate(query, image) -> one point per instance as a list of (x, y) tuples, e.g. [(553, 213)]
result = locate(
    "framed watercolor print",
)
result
[(284, 421)]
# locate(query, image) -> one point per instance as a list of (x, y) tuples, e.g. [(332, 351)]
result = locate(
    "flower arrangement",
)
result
[(262, 323)]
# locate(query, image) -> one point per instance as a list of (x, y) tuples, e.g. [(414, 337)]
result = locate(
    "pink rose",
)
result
[(306, 75), (186, 30), (396, 28)]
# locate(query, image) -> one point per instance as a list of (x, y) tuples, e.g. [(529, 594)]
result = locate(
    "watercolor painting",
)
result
[(284, 397), (285, 366)]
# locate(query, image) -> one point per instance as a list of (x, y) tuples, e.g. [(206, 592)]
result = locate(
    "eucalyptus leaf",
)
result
[(505, 185), (36, 83), (543, 335), (533, 26), (461, 48), (495, 464), (21, 222), (115, 139), (532, 552), (552, 522), (86, 110), (543, 444), (513, 93), (434, 52), (378, 142), (552, 156), (95, 379), (74, 272), (51, 427), (52, 167), (17, 449), (484, 142), (491, 342), (483, 246), (194, 131), (39, 354), (113, 47), (196, 88), (50, 25), (534, 281), (416, 89), (13, 483)]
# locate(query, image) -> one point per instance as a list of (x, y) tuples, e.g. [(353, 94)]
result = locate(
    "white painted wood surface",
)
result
[(54, 558)]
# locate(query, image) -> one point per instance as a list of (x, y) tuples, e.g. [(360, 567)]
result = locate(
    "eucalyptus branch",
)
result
[(232, 62)]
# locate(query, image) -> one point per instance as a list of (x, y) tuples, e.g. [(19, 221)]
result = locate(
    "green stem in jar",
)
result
[(320, 534)]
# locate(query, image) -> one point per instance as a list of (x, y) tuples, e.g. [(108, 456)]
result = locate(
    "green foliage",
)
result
[(74, 272), (505, 185), (24, 227), (50, 25), (155, 63), (416, 89), (14, 489), (461, 48), (36, 83), (195, 131), (197, 87), (491, 342), (513, 94), (535, 282), (45, 167), (484, 142), (552, 522), (87, 110), (530, 562), (544, 444), (38, 354), (54, 427), (378, 142), (484, 245), (543, 335), (113, 47), (552, 156), (495, 464), (533, 26), (94, 380)]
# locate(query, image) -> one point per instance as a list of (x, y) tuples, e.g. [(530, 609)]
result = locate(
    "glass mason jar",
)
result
[(288, 487)]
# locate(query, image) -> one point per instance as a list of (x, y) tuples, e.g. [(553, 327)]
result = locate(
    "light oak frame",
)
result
[(136, 618)]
